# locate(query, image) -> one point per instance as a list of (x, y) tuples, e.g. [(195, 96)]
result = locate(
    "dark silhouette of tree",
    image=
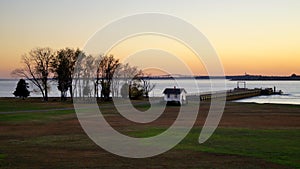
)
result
[(37, 65), (136, 90), (139, 87), (136, 84), (86, 91), (98, 75), (125, 90), (147, 86), (106, 69), (88, 74), (63, 68), (123, 75), (79, 68), (22, 89)]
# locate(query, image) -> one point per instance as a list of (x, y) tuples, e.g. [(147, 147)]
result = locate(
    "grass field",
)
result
[(248, 137), (14, 105), (278, 146)]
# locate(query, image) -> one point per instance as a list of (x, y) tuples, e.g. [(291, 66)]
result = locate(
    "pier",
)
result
[(238, 93)]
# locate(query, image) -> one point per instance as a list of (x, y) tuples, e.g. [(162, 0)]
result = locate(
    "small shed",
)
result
[(175, 96)]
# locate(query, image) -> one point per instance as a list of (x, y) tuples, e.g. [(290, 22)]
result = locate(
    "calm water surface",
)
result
[(291, 89)]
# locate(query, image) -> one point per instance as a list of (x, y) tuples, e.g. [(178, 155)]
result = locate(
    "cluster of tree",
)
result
[(75, 71), (111, 78), (137, 88)]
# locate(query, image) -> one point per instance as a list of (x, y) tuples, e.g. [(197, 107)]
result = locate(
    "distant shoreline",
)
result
[(232, 78)]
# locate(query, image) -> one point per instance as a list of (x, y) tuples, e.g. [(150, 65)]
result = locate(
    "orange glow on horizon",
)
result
[(257, 37)]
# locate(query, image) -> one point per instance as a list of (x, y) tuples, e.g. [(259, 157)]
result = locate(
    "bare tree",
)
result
[(107, 67), (115, 83), (98, 75), (63, 69), (37, 65), (128, 74), (140, 86), (124, 73), (147, 86), (88, 74), (77, 76)]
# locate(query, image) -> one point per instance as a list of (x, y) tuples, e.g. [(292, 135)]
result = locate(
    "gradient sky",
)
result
[(253, 36)]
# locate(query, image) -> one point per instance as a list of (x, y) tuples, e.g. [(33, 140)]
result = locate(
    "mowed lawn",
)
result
[(54, 139), (278, 146), (18, 105)]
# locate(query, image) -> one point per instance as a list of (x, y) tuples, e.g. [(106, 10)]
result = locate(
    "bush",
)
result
[(22, 89)]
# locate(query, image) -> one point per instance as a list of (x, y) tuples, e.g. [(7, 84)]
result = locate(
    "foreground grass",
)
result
[(2, 156), (36, 116), (278, 146), (14, 104)]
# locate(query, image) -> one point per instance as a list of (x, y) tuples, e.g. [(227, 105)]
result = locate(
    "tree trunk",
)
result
[(97, 90), (46, 94), (46, 89), (62, 96), (71, 92), (42, 91)]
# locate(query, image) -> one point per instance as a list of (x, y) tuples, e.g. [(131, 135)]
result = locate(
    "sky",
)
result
[(253, 36)]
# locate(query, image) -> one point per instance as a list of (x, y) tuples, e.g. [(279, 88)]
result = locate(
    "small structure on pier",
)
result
[(270, 91), (175, 96), (238, 86)]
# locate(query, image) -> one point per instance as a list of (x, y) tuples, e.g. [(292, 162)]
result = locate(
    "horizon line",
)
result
[(186, 76)]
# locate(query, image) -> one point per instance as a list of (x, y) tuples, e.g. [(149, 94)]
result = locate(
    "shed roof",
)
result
[(174, 91)]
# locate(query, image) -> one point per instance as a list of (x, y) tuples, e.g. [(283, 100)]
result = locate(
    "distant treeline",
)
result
[(264, 78), (233, 78)]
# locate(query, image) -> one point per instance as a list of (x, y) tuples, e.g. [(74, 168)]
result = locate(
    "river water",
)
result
[(291, 89)]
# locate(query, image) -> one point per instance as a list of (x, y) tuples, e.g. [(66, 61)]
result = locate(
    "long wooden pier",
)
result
[(237, 93)]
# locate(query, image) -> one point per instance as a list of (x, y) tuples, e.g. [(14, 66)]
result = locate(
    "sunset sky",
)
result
[(253, 36)]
